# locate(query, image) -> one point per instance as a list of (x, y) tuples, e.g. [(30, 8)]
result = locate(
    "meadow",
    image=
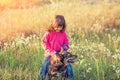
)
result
[(93, 30)]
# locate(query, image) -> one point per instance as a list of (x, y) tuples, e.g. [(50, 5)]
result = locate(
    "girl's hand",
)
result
[(48, 54)]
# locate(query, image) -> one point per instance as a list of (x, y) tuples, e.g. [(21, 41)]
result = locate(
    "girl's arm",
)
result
[(46, 45), (65, 45)]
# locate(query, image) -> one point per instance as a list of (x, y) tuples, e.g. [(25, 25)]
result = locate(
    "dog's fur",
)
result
[(58, 64)]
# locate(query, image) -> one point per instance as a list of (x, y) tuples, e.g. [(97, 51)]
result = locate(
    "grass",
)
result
[(96, 61), (93, 32)]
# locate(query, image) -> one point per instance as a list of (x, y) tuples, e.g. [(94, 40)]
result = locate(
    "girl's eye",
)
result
[(60, 26)]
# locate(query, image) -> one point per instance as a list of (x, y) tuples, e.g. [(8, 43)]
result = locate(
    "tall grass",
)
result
[(22, 58), (80, 16)]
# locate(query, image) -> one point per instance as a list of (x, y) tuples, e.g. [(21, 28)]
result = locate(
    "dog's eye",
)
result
[(69, 54)]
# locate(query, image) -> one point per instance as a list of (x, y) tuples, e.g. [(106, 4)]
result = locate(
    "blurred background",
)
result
[(33, 16)]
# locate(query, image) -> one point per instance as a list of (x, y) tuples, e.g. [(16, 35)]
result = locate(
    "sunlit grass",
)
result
[(21, 58), (86, 17)]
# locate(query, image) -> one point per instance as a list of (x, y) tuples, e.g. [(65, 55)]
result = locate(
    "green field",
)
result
[(93, 31)]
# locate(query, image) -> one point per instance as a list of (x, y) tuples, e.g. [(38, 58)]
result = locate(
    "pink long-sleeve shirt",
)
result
[(53, 41)]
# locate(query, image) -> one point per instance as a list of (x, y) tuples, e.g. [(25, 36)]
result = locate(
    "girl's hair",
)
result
[(58, 21)]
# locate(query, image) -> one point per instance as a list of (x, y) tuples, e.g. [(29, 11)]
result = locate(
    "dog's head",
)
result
[(58, 63), (69, 57)]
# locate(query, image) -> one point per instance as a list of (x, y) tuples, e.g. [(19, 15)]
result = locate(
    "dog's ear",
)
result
[(62, 51)]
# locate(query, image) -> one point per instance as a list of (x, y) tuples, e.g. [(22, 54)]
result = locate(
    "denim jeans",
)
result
[(69, 72), (43, 69)]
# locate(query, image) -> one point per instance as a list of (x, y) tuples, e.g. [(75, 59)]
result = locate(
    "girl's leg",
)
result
[(69, 71), (43, 69)]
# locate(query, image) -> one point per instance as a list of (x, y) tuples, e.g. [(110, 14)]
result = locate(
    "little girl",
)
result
[(52, 41)]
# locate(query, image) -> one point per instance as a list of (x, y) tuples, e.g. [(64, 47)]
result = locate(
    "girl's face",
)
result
[(58, 29), (58, 26)]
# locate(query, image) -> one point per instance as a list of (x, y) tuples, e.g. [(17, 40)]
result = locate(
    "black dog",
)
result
[(58, 65)]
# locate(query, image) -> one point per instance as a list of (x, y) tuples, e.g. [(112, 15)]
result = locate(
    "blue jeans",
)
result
[(43, 69), (69, 72)]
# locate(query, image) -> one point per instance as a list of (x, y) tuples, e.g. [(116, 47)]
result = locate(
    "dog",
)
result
[(58, 65)]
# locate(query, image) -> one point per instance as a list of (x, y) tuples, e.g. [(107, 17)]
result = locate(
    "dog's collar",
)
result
[(57, 51)]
